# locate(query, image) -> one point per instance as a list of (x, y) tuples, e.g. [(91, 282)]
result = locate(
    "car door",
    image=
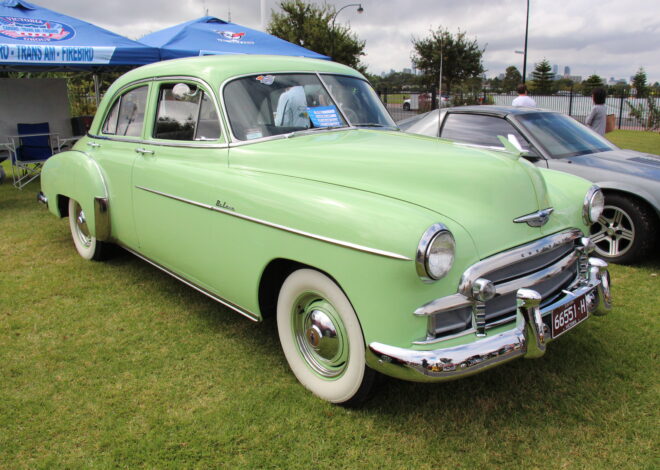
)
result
[(176, 181), (114, 150)]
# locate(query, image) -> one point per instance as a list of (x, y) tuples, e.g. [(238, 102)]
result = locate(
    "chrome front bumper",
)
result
[(527, 339)]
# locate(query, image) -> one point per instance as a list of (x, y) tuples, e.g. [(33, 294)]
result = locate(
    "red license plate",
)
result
[(567, 316)]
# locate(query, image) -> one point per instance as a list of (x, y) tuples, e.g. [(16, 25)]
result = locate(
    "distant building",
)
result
[(555, 69), (409, 71), (567, 71), (574, 78)]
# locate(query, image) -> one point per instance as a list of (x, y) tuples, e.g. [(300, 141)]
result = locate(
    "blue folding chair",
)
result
[(35, 146)]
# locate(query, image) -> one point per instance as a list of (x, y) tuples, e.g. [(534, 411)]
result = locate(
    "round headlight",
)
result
[(594, 202), (435, 253)]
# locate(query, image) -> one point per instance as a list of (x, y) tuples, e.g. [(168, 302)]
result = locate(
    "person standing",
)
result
[(523, 99), (598, 116)]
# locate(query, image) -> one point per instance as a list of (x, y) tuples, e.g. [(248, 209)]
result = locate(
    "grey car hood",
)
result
[(642, 165)]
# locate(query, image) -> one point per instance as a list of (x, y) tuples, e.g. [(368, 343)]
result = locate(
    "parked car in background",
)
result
[(627, 230), (280, 186)]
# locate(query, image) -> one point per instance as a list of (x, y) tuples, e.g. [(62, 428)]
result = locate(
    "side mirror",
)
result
[(181, 92), (532, 155)]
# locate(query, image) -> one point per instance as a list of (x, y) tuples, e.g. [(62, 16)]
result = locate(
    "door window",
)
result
[(479, 130), (185, 112), (126, 117)]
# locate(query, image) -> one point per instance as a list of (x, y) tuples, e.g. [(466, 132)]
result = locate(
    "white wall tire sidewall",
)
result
[(337, 390), (86, 252)]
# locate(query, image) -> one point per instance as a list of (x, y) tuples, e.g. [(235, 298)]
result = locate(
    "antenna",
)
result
[(229, 11)]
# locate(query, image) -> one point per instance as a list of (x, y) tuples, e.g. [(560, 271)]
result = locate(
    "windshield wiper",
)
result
[(370, 124)]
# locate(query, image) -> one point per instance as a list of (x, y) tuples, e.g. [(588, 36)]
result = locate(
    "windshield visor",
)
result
[(562, 136), (261, 106)]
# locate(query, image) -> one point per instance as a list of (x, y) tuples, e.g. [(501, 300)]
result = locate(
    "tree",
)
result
[(461, 58), (542, 83), (590, 83), (639, 83), (512, 78), (311, 26)]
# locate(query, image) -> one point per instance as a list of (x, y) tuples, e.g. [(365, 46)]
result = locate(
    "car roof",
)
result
[(496, 110), (215, 69)]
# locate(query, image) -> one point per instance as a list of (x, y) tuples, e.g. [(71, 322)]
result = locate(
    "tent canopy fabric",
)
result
[(35, 37), (209, 35)]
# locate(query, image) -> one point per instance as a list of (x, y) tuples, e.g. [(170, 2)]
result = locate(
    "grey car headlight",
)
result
[(594, 203), (435, 253)]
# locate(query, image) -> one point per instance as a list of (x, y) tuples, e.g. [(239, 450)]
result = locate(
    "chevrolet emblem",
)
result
[(535, 219)]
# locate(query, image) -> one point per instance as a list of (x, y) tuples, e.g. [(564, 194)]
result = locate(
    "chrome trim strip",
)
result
[(514, 255), (442, 304), (284, 228), (246, 313)]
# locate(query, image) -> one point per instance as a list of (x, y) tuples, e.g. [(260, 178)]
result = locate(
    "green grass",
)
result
[(115, 364), (648, 142)]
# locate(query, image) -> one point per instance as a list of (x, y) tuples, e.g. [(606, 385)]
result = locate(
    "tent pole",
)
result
[(97, 92)]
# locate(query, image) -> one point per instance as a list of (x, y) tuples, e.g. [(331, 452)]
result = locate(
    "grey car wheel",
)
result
[(624, 231)]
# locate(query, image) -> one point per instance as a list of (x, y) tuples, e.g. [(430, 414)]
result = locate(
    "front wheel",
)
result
[(322, 339), (86, 244), (624, 232)]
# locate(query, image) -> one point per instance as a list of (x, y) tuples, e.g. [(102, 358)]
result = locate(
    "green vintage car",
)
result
[(280, 186)]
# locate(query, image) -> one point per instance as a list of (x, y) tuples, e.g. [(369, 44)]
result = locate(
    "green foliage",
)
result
[(648, 116), (462, 58), (542, 83), (396, 81), (512, 78), (590, 83), (311, 26), (619, 89), (639, 83)]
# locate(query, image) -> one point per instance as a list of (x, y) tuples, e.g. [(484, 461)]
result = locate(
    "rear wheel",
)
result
[(86, 244), (625, 230), (322, 339)]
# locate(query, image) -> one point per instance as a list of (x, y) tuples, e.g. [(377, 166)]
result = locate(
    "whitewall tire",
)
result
[(322, 339), (86, 244)]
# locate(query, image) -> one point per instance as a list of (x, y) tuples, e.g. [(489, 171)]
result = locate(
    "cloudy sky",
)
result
[(611, 38)]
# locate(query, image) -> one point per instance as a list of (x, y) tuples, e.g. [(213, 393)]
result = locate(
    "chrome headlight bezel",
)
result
[(594, 203), (434, 235)]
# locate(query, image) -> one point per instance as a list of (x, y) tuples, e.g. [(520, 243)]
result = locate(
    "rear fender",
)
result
[(75, 175)]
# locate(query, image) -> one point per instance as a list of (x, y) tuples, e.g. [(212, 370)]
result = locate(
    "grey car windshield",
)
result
[(260, 106), (562, 136)]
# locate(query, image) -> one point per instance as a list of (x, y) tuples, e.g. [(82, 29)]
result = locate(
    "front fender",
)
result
[(75, 175)]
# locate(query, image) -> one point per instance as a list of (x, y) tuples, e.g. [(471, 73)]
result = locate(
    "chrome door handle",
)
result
[(93, 144), (144, 151)]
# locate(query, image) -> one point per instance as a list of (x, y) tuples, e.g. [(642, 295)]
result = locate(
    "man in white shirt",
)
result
[(292, 108), (523, 99)]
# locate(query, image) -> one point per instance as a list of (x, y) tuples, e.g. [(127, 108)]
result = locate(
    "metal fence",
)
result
[(569, 103)]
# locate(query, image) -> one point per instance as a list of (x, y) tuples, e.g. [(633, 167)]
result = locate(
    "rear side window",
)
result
[(126, 117), (479, 130), (185, 112)]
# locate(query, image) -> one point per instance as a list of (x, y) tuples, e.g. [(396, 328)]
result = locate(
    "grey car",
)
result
[(627, 230)]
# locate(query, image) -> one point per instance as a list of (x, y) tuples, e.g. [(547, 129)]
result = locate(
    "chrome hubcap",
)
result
[(82, 230), (613, 233), (320, 335)]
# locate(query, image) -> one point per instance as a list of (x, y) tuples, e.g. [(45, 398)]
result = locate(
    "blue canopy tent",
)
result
[(209, 36), (35, 38)]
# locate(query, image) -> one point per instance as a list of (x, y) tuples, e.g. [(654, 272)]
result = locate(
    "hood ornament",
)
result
[(535, 219)]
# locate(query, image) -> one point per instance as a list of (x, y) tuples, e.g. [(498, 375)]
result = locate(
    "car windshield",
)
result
[(266, 105), (562, 136)]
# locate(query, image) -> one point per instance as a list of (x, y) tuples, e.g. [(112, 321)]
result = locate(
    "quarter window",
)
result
[(126, 117), (479, 130), (185, 112)]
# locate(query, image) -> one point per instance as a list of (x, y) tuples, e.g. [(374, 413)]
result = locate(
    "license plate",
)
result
[(567, 316)]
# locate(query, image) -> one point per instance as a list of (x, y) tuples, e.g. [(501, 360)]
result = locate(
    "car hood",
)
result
[(481, 190), (643, 165)]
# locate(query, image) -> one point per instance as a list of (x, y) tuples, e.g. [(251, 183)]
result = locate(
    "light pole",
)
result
[(524, 77), (334, 17)]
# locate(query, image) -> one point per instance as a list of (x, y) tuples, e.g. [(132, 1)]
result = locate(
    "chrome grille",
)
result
[(548, 266)]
